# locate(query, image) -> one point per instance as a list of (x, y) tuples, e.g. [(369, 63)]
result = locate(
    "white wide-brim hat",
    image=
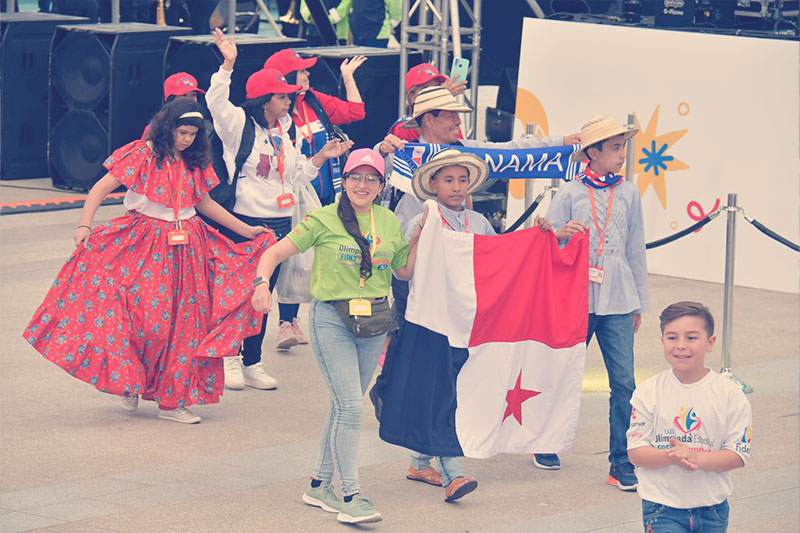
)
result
[(431, 99), (598, 129), (477, 170)]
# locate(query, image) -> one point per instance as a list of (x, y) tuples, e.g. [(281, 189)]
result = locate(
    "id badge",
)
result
[(596, 274), (285, 200), (177, 237), (360, 307)]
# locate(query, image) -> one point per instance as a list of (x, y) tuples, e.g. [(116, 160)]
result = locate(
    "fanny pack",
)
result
[(378, 323)]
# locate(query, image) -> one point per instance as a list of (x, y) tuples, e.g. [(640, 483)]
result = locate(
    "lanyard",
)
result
[(446, 224), (310, 137), (608, 216), (371, 248), (278, 153), (175, 195)]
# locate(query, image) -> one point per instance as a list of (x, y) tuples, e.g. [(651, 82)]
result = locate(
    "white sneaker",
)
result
[(255, 376), (179, 414), (233, 372), (130, 402)]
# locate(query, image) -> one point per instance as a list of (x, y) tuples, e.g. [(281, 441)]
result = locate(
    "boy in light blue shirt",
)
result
[(610, 208)]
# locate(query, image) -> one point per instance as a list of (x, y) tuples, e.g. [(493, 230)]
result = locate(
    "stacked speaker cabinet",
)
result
[(198, 55), (378, 82), (105, 85), (25, 48)]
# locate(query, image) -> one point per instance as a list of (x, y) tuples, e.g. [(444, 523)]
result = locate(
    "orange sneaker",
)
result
[(427, 475)]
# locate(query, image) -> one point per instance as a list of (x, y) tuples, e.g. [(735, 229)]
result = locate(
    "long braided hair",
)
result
[(348, 216)]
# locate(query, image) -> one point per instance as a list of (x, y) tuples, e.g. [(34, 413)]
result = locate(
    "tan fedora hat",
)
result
[(477, 169), (598, 129), (431, 99)]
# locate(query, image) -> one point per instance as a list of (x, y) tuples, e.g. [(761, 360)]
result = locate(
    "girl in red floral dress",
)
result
[(150, 303)]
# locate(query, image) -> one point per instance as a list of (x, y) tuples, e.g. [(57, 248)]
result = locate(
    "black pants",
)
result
[(251, 347)]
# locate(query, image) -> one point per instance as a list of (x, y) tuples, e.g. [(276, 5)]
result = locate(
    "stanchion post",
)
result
[(530, 131), (631, 153), (727, 313)]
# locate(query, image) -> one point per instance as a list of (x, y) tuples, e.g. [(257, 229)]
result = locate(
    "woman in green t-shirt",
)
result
[(356, 245)]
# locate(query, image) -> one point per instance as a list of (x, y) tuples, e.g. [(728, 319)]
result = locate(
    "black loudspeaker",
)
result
[(105, 84), (25, 48), (378, 82), (507, 93), (198, 55)]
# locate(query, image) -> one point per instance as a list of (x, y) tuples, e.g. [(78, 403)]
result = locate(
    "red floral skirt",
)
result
[(129, 313)]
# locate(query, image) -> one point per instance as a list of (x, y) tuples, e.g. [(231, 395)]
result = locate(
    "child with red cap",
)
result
[(179, 85), (264, 190)]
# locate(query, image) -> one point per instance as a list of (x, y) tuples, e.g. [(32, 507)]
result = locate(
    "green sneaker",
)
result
[(323, 497), (359, 510)]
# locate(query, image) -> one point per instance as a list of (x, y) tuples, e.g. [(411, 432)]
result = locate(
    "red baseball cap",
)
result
[(268, 81), (364, 156), (423, 73), (179, 84), (287, 60)]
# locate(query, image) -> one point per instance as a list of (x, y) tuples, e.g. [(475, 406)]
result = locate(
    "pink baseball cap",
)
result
[(364, 156), (423, 73)]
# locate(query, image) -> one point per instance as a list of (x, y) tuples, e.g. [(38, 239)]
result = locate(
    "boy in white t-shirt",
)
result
[(689, 427)]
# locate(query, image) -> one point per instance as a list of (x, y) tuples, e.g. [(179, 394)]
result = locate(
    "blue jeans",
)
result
[(347, 364), (615, 336), (659, 518), (448, 467)]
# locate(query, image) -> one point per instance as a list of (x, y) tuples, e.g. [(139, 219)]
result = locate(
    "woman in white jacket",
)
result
[(264, 191)]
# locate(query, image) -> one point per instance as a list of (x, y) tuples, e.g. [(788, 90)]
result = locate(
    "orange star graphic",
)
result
[(651, 161)]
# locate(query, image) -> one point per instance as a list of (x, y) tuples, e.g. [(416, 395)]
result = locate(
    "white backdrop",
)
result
[(718, 114)]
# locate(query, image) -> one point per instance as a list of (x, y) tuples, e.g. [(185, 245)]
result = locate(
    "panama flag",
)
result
[(491, 357)]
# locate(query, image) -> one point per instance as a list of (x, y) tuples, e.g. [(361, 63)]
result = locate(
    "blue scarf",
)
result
[(597, 181), (549, 162)]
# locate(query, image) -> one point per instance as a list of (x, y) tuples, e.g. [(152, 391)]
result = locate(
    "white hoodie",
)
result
[(259, 183)]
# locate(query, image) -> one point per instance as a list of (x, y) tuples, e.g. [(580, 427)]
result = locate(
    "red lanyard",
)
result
[(310, 137), (175, 190), (446, 224), (602, 234), (278, 154)]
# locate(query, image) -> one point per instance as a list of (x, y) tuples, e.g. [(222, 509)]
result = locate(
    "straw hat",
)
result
[(476, 167), (598, 129), (431, 99)]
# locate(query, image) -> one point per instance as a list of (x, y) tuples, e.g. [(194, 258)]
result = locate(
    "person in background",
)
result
[(338, 14), (375, 246), (418, 78), (264, 191), (372, 21), (311, 128)]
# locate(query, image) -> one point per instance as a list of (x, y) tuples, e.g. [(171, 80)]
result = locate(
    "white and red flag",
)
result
[(491, 357)]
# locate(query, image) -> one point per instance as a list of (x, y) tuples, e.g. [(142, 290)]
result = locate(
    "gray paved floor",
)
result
[(72, 460)]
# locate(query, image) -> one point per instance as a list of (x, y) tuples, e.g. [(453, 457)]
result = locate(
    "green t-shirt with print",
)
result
[(335, 273)]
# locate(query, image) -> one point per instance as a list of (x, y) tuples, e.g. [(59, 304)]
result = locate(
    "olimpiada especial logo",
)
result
[(687, 420), (743, 446)]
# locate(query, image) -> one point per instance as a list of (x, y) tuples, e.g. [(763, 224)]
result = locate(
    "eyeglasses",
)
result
[(370, 179)]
